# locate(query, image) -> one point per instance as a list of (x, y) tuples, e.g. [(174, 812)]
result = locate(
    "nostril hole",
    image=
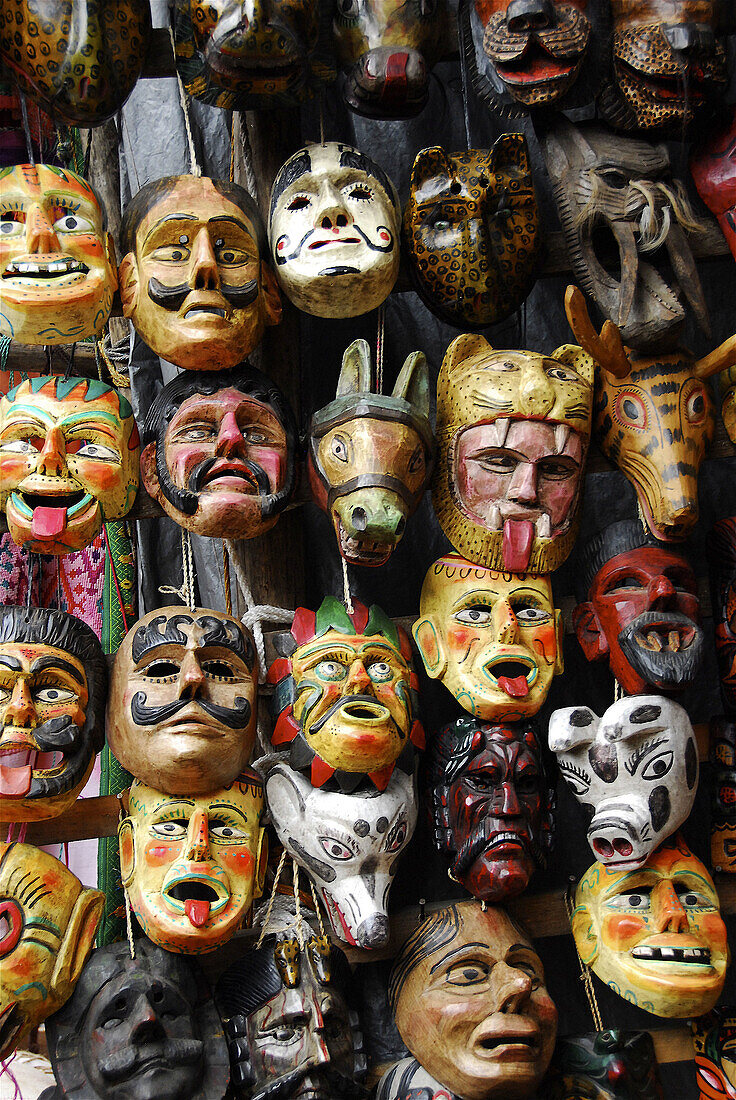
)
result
[(623, 847), (341, 219), (602, 848), (326, 223), (359, 518), (455, 188)]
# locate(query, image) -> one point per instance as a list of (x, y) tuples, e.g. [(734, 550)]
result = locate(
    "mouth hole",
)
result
[(491, 1043), (606, 250), (63, 267), (337, 240), (362, 711), (60, 500), (218, 312), (191, 890), (511, 669)]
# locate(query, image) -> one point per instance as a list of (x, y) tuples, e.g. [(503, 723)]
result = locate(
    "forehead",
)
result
[(243, 797), (645, 559), (449, 580), (663, 11), (216, 405), (192, 197), (325, 164), (358, 643), (57, 402), (26, 653), (35, 182)]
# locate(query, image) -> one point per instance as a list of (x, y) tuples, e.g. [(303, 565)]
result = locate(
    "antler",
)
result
[(721, 358), (608, 347)]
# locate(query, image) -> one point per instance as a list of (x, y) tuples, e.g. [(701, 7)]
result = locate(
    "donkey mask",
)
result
[(370, 455)]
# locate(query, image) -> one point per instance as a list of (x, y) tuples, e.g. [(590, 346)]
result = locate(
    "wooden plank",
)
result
[(87, 819)]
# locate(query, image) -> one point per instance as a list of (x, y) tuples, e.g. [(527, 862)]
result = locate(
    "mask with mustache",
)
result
[(172, 297)]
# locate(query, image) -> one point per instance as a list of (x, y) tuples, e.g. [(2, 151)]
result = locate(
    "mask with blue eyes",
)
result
[(494, 639), (655, 935)]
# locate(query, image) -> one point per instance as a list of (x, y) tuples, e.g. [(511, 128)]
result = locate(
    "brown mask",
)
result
[(471, 228), (723, 796)]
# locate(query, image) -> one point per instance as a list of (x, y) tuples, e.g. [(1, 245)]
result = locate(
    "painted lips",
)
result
[(17, 764)]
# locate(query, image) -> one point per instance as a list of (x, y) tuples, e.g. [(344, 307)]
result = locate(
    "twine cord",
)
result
[(346, 588), (379, 347), (586, 976), (194, 167), (271, 900), (317, 909), (5, 1069), (129, 924), (297, 903), (226, 580), (186, 592), (256, 614)]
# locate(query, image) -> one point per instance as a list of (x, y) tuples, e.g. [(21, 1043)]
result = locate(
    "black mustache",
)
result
[(61, 735), (342, 702), (200, 472), (477, 843), (237, 718), (663, 668), (280, 260), (172, 297), (122, 1063)]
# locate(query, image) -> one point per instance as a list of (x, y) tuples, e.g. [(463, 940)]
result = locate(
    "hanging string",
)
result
[(186, 592), (232, 147), (250, 175), (114, 572), (322, 116), (26, 128), (194, 167), (618, 691), (317, 909), (379, 346), (33, 560), (256, 614), (109, 355), (271, 900), (464, 70), (585, 975), (87, 154), (297, 903), (226, 580), (347, 599), (130, 148)]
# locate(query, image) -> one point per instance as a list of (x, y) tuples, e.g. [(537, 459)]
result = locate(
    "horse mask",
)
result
[(370, 455)]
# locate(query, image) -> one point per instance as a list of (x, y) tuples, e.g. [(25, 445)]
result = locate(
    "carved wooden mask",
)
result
[(48, 922), (642, 932), (492, 805), (69, 453), (471, 228), (627, 222), (605, 1065), (721, 549), (181, 714), (53, 681), (57, 260), (723, 796), (513, 429), (713, 1039), (713, 167), (370, 456)]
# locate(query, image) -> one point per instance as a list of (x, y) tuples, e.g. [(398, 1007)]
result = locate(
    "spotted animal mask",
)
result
[(193, 866), (334, 231), (492, 805), (668, 65), (53, 681), (721, 549), (48, 922), (714, 1039), (345, 697), (57, 260), (493, 639), (713, 167), (471, 228), (635, 768), (605, 1065), (78, 59), (513, 429), (370, 455), (655, 936), (69, 454), (349, 845), (627, 222)]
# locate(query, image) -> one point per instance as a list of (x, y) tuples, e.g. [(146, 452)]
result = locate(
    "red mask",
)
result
[(713, 165)]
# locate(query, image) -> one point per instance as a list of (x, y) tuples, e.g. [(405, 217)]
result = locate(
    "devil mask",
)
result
[(370, 455), (334, 231), (57, 261), (471, 227), (668, 65), (291, 1030), (194, 278), (654, 935), (349, 845), (723, 795), (493, 639), (714, 1039), (346, 696), (624, 218), (635, 769), (467, 991), (605, 1065), (142, 1028), (182, 709), (219, 452), (721, 547), (69, 456), (713, 167), (513, 429), (53, 682), (193, 866), (48, 922), (642, 611), (492, 805)]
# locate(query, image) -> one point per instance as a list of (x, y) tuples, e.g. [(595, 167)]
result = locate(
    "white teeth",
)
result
[(562, 433), (667, 952), (643, 952), (500, 430), (494, 518), (544, 526)]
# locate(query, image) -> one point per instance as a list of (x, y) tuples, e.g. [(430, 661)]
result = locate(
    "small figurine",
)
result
[(370, 456), (713, 167), (69, 456), (721, 550), (713, 1036), (604, 1065)]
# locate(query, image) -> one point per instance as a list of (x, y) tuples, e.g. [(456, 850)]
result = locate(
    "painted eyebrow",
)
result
[(37, 415), (57, 662), (11, 662), (457, 951), (169, 218), (232, 221), (228, 806), (170, 803)]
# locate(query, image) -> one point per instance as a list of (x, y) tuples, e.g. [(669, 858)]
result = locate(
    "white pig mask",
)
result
[(636, 768), (349, 845)]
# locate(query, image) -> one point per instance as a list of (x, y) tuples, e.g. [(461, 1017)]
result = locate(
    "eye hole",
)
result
[(638, 900), (613, 177), (230, 256), (470, 972), (335, 849), (690, 899), (11, 925), (562, 374), (194, 435), (299, 202), (339, 449), (256, 436), (173, 253), (473, 616), (162, 670), (12, 224), (417, 460), (23, 446), (626, 582), (53, 695), (397, 837), (532, 616), (331, 670), (170, 830), (222, 831), (219, 670), (93, 450), (359, 192), (696, 407), (659, 766), (73, 223), (380, 672), (348, 11), (630, 410)]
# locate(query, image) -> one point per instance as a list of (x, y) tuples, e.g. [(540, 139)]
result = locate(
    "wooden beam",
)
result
[(87, 819)]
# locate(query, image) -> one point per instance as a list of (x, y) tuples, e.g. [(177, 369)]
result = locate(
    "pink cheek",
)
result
[(13, 470), (272, 464), (158, 854), (623, 932), (238, 860), (544, 643), (185, 458), (459, 639)]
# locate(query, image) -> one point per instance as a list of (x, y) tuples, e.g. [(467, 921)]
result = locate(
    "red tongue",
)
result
[(515, 686), (197, 911), (48, 523), (518, 536), (15, 782)]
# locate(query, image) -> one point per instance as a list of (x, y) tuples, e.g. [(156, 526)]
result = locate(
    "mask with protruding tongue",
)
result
[(48, 523), (512, 679), (198, 911), (518, 538)]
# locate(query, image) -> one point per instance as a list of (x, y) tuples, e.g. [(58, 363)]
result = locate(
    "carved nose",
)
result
[(661, 593), (690, 39), (611, 847), (530, 15), (373, 932)]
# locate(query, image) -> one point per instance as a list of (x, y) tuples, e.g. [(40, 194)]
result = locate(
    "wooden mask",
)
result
[(635, 770), (345, 697), (627, 222), (462, 981), (713, 1038), (492, 805), (655, 936), (386, 49), (713, 167), (195, 278), (334, 231), (181, 714), (289, 1022), (668, 65), (48, 922), (605, 1065), (53, 683), (370, 456), (219, 452), (513, 429), (78, 59), (721, 550), (723, 796), (57, 260), (654, 418), (274, 54), (348, 844), (193, 866), (138, 1028), (493, 639), (471, 229), (69, 458), (639, 610)]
